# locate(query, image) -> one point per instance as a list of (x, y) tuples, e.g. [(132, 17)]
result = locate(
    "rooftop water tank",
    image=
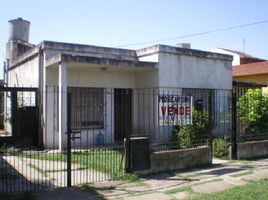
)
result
[(184, 45), (19, 30)]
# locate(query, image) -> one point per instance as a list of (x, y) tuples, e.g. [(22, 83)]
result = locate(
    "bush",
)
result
[(220, 147), (185, 136), (252, 110), (9, 150)]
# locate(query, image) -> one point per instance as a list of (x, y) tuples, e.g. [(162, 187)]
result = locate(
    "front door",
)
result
[(122, 113)]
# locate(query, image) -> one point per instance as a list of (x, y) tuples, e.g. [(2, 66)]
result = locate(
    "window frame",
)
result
[(84, 121)]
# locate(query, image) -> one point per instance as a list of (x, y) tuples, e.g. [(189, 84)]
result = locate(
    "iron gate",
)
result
[(19, 133)]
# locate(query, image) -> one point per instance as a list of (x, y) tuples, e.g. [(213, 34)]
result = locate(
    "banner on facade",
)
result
[(175, 110)]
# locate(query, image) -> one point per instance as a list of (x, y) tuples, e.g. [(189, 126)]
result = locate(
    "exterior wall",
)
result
[(252, 149), (179, 159), (147, 79), (194, 72), (51, 121), (92, 77), (145, 113), (265, 90), (261, 79), (98, 78), (25, 75)]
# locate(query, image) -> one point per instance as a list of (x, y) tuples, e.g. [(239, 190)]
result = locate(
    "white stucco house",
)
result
[(103, 73)]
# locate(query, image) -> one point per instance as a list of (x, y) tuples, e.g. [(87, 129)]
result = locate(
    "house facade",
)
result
[(112, 91)]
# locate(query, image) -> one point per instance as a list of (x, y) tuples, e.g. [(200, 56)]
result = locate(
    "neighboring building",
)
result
[(252, 72), (105, 74), (239, 58), (246, 68)]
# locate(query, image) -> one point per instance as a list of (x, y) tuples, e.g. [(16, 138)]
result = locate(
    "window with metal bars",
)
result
[(87, 108)]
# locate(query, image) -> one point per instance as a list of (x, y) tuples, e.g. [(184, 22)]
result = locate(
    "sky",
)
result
[(114, 23)]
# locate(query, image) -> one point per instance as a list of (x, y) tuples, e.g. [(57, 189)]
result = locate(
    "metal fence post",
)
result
[(69, 148), (14, 108), (234, 127), (210, 105)]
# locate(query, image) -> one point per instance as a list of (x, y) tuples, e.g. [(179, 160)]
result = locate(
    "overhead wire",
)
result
[(196, 34)]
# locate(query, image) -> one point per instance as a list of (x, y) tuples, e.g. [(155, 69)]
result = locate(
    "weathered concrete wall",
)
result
[(252, 149), (179, 159), (25, 75), (189, 68), (53, 48), (92, 77), (194, 72)]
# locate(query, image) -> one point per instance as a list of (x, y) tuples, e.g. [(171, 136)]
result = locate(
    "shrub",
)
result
[(185, 136), (252, 110), (220, 147), (9, 150)]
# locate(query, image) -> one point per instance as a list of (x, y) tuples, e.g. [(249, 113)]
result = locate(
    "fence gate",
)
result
[(18, 134)]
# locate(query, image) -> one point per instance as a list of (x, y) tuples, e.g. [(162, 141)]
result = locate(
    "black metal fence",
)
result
[(83, 132), (241, 88)]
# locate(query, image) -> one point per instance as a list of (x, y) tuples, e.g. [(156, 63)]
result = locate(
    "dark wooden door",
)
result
[(27, 126), (122, 113)]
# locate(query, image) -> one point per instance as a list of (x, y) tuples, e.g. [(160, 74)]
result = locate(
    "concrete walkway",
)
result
[(222, 175), (43, 173)]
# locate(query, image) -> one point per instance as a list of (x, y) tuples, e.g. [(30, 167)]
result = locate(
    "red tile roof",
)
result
[(251, 69)]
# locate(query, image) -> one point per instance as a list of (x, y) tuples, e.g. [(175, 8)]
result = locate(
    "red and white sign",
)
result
[(175, 110)]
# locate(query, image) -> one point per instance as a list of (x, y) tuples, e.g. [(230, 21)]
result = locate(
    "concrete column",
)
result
[(62, 106)]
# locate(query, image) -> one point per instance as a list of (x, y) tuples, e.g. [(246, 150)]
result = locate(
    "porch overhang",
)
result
[(84, 60)]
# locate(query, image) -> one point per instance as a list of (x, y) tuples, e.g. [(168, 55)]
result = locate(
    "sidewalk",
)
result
[(222, 175)]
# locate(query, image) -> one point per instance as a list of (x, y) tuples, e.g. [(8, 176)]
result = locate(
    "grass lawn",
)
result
[(109, 161), (254, 190)]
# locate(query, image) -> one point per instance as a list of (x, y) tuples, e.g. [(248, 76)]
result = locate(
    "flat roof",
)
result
[(69, 58), (114, 53), (160, 48)]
